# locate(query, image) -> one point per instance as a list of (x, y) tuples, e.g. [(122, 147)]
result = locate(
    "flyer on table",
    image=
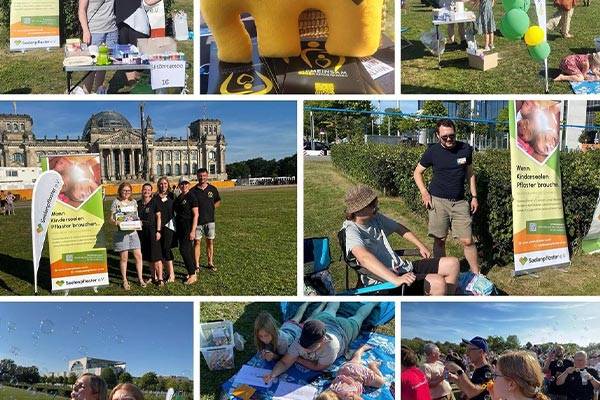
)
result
[(539, 234), (34, 24), (76, 261)]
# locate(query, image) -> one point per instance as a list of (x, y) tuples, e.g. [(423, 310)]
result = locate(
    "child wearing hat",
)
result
[(367, 232), (575, 68)]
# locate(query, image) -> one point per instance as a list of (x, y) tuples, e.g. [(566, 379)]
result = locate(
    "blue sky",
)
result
[(147, 336), (537, 322), (406, 106), (253, 129)]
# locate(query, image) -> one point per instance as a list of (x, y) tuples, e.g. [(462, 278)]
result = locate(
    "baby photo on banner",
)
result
[(77, 257), (539, 234)]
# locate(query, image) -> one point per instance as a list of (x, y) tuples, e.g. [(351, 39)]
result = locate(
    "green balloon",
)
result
[(507, 31), (520, 4), (539, 52), (515, 23)]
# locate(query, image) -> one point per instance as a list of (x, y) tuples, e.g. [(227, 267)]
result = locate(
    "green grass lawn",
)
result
[(324, 189), (516, 71), (255, 251), (242, 315), (11, 393), (40, 71)]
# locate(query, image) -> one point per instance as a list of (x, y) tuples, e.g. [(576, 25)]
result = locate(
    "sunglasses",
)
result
[(448, 137)]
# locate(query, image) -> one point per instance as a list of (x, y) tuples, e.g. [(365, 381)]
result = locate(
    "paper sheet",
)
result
[(252, 376), (375, 68), (291, 391)]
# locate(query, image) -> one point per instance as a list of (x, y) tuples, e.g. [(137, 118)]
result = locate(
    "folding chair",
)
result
[(317, 259), (352, 264), (408, 42)]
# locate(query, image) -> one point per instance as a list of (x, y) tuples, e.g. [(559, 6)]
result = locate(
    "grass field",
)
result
[(516, 71), (243, 316), (11, 393), (323, 216), (40, 71), (255, 251)]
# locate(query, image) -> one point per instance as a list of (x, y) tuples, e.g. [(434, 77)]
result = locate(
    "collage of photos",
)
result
[(254, 200)]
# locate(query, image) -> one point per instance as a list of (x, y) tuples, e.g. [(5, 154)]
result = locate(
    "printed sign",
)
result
[(166, 74), (156, 17), (34, 24)]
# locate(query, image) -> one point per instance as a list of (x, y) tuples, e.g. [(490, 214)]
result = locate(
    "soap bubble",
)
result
[(75, 329), (119, 339), (83, 350), (11, 326), (14, 350), (47, 326)]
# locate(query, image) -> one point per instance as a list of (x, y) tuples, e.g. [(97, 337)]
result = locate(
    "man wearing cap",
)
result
[(555, 365), (452, 164), (185, 207), (473, 388), (324, 338), (366, 237)]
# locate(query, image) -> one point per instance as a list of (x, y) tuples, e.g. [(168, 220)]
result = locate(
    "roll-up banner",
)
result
[(591, 243), (539, 235), (34, 24), (77, 255)]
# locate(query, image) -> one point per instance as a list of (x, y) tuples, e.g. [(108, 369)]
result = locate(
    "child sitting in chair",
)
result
[(575, 68), (273, 341), (352, 377)]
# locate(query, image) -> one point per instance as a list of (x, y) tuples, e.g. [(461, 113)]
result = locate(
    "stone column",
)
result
[(121, 164), (131, 164)]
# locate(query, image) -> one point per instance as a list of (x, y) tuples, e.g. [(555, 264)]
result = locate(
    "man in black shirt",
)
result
[(186, 219), (556, 364), (451, 161), (474, 388), (208, 199), (579, 380)]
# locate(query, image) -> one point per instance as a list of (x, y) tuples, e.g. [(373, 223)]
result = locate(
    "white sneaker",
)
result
[(486, 48)]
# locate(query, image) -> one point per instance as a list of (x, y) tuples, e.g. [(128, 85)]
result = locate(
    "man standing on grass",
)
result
[(452, 163), (208, 199)]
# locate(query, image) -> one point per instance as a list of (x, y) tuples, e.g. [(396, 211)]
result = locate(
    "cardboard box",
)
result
[(485, 62)]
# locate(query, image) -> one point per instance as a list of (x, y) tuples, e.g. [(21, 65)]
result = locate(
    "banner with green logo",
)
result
[(34, 24), (77, 256), (539, 235), (591, 243)]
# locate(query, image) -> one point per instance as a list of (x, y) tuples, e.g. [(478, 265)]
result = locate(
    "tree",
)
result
[(502, 120), (287, 166), (109, 377), (125, 377), (7, 369), (148, 381), (464, 128), (512, 342), (72, 378), (346, 124), (433, 108)]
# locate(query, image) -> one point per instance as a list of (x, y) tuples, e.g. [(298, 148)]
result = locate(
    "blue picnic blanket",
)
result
[(586, 87), (383, 350)]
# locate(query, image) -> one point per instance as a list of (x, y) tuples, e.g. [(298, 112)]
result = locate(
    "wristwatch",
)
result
[(459, 372)]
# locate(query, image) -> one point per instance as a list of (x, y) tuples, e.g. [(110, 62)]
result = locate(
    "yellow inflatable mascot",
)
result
[(354, 26)]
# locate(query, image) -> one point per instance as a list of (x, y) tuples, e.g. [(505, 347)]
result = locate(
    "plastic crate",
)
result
[(218, 358), (216, 334)]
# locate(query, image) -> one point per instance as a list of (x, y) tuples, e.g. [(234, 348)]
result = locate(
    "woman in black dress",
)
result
[(164, 198), (150, 234), (186, 220)]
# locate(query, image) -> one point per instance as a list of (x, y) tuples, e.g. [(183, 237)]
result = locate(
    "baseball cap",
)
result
[(478, 342), (183, 180), (312, 331)]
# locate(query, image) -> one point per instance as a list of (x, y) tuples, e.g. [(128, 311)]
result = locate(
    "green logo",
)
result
[(40, 228), (523, 260), (60, 283)]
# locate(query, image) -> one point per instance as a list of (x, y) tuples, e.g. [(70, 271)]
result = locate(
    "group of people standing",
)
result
[(167, 219), (7, 203)]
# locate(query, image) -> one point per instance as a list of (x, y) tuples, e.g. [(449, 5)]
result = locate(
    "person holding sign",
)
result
[(99, 25), (124, 214), (186, 220), (150, 217), (165, 200), (452, 164)]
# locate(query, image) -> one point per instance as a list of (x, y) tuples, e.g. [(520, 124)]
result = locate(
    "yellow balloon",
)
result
[(534, 35)]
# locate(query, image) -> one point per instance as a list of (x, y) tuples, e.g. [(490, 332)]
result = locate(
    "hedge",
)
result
[(69, 22), (389, 168)]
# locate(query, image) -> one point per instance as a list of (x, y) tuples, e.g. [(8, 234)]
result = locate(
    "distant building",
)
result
[(12, 178), (94, 366)]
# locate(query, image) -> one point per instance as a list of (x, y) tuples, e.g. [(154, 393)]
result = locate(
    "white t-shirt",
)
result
[(326, 354)]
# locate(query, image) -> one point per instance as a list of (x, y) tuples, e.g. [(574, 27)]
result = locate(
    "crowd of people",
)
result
[(316, 344), (92, 387), (449, 209), (168, 218), (7, 203), (513, 375)]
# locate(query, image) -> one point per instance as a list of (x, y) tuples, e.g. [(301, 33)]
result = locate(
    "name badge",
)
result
[(461, 161)]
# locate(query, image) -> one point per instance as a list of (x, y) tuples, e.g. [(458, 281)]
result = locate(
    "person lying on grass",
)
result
[(366, 237), (352, 377), (324, 338), (575, 67)]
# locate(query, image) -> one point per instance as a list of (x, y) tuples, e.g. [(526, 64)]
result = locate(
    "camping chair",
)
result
[(408, 42), (317, 259), (352, 263)]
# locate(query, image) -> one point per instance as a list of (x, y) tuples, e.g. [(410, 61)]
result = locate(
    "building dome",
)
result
[(106, 120)]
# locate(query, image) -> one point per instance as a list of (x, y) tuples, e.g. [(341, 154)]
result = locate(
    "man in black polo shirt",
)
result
[(474, 388), (579, 381), (556, 364), (208, 199), (451, 161)]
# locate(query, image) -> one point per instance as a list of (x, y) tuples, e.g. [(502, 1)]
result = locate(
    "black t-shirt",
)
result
[(147, 213), (165, 206), (183, 206), (481, 375), (206, 203), (575, 390), (449, 169), (555, 371), (125, 8)]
